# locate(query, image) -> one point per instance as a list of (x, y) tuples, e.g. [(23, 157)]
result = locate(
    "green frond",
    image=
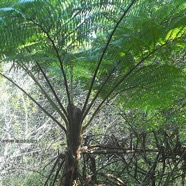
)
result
[(153, 87)]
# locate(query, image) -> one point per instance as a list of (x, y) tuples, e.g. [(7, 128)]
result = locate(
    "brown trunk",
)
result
[(70, 174), (71, 169)]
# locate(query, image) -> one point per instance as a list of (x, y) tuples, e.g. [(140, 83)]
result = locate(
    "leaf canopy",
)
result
[(115, 48)]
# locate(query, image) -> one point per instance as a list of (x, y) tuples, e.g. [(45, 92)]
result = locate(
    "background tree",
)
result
[(124, 51)]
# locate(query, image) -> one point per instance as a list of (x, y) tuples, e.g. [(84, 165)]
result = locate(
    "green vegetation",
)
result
[(109, 78)]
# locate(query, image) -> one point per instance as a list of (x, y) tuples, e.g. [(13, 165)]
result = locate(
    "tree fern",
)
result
[(114, 48)]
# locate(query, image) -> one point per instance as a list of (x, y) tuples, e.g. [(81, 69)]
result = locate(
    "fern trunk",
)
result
[(70, 174), (71, 168)]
